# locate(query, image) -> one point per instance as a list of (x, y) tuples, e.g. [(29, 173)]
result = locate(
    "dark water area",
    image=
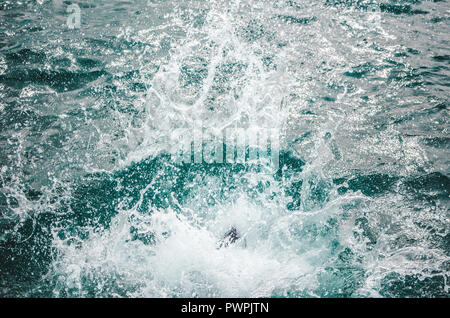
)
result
[(93, 202)]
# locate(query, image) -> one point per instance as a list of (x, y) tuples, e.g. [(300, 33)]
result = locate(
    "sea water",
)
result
[(96, 101)]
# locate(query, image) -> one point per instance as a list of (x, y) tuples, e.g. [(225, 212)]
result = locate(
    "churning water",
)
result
[(93, 204)]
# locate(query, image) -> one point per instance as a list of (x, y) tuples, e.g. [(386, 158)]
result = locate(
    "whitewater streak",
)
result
[(95, 201)]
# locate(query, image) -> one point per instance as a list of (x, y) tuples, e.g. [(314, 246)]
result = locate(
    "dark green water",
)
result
[(94, 204)]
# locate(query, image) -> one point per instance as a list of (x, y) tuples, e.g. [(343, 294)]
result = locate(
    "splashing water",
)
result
[(94, 204)]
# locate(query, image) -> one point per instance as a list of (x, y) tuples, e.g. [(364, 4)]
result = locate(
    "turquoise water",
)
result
[(94, 204)]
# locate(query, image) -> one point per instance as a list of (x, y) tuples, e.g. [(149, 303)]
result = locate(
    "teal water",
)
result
[(93, 204)]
